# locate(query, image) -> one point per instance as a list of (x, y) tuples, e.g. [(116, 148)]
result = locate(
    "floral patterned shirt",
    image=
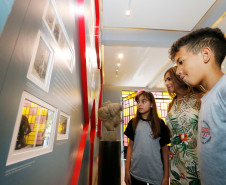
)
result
[(182, 120)]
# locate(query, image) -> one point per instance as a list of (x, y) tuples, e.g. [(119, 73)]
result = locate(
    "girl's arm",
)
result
[(128, 160), (165, 157)]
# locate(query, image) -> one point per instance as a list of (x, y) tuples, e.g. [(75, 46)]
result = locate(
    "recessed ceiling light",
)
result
[(128, 12), (120, 55)]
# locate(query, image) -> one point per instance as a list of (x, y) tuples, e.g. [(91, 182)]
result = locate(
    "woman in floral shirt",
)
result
[(182, 120)]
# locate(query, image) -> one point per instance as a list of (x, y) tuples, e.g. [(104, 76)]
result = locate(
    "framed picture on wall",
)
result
[(50, 17), (54, 23), (41, 64), (63, 126), (33, 134)]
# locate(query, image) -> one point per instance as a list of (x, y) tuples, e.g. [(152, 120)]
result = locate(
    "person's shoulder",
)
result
[(162, 123), (221, 84), (164, 131), (129, 132), (224, 80), (131, 121)]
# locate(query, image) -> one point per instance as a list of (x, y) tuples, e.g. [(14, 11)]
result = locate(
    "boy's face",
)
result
[(189, 66)]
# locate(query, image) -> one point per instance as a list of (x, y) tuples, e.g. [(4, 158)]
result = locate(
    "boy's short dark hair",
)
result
[(205, 37)]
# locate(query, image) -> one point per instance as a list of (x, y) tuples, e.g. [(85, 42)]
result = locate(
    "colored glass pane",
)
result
[(27, 110)]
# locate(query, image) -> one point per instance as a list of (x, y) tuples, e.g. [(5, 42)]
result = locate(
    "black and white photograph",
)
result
[(40, 68), (50, 16)]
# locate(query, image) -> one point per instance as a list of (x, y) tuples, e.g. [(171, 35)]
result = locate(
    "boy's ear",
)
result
[(206, 54)]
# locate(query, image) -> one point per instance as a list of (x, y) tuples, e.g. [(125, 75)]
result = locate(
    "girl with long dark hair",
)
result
[(147, 154)]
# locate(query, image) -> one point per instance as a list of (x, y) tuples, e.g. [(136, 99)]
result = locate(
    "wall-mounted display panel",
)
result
[(41, 65), (33, 134), (63, 126), (54, 24)]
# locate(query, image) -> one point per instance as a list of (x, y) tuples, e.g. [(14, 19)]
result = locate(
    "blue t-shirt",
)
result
[(212, 135), (146, 163)]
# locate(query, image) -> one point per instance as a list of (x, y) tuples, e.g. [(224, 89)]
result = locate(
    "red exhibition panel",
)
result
[(78, 162)]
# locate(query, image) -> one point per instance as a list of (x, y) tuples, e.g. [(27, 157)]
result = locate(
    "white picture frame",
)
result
[(41, 65), (41, 121), (59, 34), (63, 126)]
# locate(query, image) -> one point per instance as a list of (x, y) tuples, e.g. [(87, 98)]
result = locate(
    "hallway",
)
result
[(62, 59)]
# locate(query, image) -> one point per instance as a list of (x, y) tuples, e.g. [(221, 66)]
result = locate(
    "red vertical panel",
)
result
[(83, 65), (78, 162)]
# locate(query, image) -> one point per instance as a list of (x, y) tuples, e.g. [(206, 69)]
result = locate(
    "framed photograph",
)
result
[(63, 126), (41, 64), (50, 17), (33, 134), (54, 24)]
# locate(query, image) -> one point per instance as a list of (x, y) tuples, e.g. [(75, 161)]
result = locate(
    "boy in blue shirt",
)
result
[(199, 56)]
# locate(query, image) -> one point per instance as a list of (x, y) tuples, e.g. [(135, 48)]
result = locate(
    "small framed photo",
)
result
[(63, 126), (41, 64), (33, 134), (50, 17), (54, 23)]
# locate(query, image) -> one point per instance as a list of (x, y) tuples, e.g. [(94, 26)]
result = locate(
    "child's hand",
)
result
[(165, 181), (127, 178)]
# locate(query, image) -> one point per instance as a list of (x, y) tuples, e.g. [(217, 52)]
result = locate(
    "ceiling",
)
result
[(145, 36)]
